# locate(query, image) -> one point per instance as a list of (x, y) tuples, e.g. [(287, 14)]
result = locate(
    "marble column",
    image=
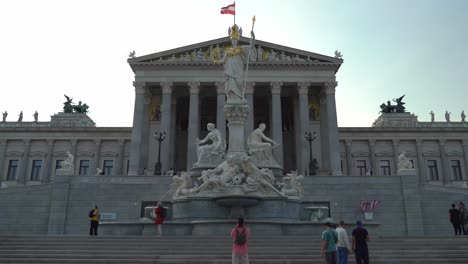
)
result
[(166, 123), (220, 100), (249, 96), (324, 132), (277, 122), (373, 160), (48, 162), (395, 155), (3, 148), (97, 157), (144, 150), (304, 124), (138, 115), (465, 155), (193, 124), (349, 159), (23, 169), (332, 125), (422, 174), (446, 177), (119, 166)]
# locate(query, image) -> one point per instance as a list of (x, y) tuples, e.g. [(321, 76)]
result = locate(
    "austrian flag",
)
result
[(230, 9)]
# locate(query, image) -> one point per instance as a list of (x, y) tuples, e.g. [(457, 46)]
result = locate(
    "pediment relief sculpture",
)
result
[(360, 154), (431, 154)]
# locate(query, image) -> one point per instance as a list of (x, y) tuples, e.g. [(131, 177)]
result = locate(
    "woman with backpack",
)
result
[(160, 213), (240, 235)]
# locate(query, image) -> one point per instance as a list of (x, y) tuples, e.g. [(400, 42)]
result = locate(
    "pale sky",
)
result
[(79, 48)]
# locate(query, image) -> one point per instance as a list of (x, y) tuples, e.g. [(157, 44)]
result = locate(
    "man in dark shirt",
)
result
[(454, 216), (360, 238)]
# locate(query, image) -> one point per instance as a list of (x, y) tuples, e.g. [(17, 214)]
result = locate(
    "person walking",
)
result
[(454, 217), (160, 213), (343, 246), (463, 217), (94, 221), (360, 238), (329, 239), (240, 236)]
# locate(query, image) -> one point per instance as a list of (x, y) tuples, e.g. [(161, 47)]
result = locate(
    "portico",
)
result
[(190, 94)]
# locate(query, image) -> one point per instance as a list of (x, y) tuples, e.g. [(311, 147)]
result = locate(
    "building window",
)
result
[(456, 170), (36, 170), (384, 167), (58, 164), (108, 167), (432, 170), (84, 167), (361, 167), (12, 170)]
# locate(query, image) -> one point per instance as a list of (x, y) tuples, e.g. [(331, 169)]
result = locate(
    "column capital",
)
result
[(27, 141), (465, 142), (419, 142), (219, 87), (372, 142), (73, 141), (276, 87), (166, 87), (194, 87), (3, 141), (121, 142), (395, 142), (442, 142), (329, 87), (249, 87), (50, 141), (140, 87), (97, 141), (348, 142), (303, 87)]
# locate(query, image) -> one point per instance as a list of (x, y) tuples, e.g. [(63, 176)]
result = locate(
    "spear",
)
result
[(248, 59)]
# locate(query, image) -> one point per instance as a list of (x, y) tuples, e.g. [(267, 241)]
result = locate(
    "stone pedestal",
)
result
[(236, 114), (71, 120), (396, 120)]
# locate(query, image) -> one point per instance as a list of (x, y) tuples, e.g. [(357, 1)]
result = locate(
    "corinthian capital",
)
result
[(194, 87), (219, 87), (140, 87), (276, 87), (329, 87), (303, 87), (249, 87), (166, 87)]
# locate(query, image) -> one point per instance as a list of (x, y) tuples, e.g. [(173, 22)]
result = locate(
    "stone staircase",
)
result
[(204, 249)]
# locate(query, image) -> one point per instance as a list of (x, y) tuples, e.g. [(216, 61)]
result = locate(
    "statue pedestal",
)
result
[(71, 120), (236, 114), (396, 120)]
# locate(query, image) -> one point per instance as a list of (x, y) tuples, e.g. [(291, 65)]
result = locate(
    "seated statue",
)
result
[(404, 162), (211, 153), (68, 163), (258, 180), (218, 178), (260, 147)]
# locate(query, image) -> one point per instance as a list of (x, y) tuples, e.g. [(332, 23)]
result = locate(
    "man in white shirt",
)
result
[(343, 246)]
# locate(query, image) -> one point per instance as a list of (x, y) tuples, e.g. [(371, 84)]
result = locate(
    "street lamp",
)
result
[(159, 137), (310, 137)]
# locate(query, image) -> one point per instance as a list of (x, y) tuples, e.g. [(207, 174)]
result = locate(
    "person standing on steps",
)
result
[(94, 219), (240, 235), (360, 238), (343, 246), (160, 213), (454, 217), (329, 239)]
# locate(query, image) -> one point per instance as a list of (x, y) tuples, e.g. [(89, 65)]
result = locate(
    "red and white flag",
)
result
[(230, 9)]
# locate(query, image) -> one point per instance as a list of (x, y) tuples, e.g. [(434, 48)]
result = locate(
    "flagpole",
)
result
[(248, 59), (234, 12)]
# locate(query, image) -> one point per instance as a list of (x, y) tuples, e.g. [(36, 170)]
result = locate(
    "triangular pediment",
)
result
[(207, 52)]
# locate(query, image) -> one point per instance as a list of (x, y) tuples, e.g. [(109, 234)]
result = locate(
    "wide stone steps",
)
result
[(190, 249)]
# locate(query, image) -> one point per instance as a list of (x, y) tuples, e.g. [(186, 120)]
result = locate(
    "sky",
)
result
[(390, 48)]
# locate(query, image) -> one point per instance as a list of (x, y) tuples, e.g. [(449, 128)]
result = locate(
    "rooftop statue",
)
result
[(36, 115), (338, 54), (69, 107), (5, 114), (463, 116), (432, 116), (447, 116), (389, 108), (235, 60), (132, 54), (20, 117)]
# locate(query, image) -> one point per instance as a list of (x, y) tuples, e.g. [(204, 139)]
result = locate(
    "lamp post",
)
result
[(310, 137), (159, 137)]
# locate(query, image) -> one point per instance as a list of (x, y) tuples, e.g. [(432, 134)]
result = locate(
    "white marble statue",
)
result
[(259, 53), (212, 148), (217, 179), (3, 186), (292, 185), (404, 162), (99, 171), (181, 185), (258, 181), (447, 116), (234, 60), (68, 163), (463, 116), (260, 146)]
